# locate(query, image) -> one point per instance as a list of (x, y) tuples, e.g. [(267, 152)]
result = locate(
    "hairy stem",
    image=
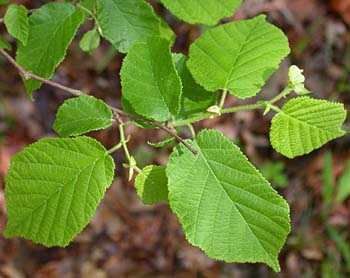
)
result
[(222, 99), (93, 17), (115, 148), (198, 118), (286, 91), (193, 133), (276, 109), (123, 142), (259, 105)]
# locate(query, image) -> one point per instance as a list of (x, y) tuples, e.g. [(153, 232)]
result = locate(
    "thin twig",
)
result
[(168, 130), (27, 75), (172, 132), (118, 112)]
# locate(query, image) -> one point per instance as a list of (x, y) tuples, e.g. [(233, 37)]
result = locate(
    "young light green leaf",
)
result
[(296, 76), (344, 185), (306, 124), (296, 80), (51, 30), (207, 12), (5, 44), (53, 188), (82, 114), (224, 204), (151, 185), (238, 56), (16, 21), (90, 41), (124, 23), (150, 83), (195, 100)]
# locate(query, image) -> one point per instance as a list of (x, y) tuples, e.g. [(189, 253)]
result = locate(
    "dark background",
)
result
[(126, 238)]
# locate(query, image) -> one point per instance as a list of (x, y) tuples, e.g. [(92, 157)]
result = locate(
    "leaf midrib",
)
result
[(74, 120), (45, 201), (331, 133), (157, 83), (239, 52), (234, 205)]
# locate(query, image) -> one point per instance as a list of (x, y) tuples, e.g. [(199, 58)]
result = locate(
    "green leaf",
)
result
[(166, 142), (124, 23), (51, 29), (129, 109), (238, 56), (295, 75), (151, 185), (305, 124), (224, 204), (90, 41), (5, 44), (82, 114), (150, 83), (17, 24), (166, 32), (90, 5), (207, 12), (344, 185), (195, 100), (53, 188)]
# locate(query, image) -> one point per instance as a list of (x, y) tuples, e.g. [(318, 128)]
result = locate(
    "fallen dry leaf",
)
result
[(343, 8)]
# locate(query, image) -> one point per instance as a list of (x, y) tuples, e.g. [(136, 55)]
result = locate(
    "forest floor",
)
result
[(128, 239)]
